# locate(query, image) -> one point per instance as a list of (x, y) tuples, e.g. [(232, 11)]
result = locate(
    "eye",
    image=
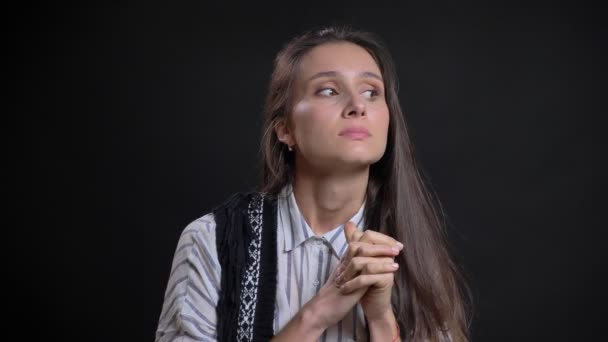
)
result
[(371, 93), (327, 92)]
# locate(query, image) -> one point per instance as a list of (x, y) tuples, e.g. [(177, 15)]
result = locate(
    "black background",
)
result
[(135, 119)]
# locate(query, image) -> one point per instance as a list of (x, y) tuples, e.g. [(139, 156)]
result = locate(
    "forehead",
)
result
[(342, 57)]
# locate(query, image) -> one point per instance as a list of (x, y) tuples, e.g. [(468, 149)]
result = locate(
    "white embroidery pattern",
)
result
[(249, 283)]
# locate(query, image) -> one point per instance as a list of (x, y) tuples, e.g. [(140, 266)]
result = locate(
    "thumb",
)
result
[(349, 231)]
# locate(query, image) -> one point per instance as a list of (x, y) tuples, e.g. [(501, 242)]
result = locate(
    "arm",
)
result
[(326, 309), (304, 326), (384, 328), (192, 291)]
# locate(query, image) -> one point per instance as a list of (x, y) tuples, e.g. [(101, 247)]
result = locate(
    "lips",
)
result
[(357, 133)]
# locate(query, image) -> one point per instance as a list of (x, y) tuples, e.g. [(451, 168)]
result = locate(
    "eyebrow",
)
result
[(365, 74)]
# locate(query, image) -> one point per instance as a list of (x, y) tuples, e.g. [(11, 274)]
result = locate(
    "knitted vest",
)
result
[(247, 250)]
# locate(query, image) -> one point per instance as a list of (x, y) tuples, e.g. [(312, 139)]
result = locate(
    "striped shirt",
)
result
[(305, 262)]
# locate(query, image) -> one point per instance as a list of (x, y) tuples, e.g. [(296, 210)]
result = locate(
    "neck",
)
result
[(328, 200)]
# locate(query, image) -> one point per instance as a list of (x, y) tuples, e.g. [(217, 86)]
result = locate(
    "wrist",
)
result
[(304, 326), (384, 327), (311, 317)]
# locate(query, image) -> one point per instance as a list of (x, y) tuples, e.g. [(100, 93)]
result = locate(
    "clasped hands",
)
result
[(368, 264), (364, 275)]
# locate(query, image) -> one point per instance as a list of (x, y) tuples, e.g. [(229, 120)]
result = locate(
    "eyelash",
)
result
[(320, 92), (374, 92)]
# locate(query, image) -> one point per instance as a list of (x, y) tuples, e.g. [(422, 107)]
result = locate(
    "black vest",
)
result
[(246, 238)]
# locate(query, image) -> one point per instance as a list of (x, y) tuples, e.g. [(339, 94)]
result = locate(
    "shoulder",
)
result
[(204, 227), (206, 224), (238, 200), (239, 204), (196, 250), (199, 231)]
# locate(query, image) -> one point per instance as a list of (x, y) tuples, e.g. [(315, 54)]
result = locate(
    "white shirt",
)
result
[(305, 262)]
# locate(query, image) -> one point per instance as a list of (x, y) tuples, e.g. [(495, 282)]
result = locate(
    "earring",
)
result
[(289, 148)]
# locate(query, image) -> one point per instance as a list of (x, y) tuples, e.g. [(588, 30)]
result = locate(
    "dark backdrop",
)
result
[(137, 118)]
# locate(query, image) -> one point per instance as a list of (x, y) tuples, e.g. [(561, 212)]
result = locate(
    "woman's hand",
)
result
[(366, 275), (332, 303), (369, 263)]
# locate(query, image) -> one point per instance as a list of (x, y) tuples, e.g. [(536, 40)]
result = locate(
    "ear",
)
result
[(283, 132)]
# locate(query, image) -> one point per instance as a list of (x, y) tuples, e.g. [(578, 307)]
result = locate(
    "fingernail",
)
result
[(400, 245), (395, 250), (395, 265)]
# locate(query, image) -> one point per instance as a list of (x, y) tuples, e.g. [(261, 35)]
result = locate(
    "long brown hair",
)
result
[(429, 292)]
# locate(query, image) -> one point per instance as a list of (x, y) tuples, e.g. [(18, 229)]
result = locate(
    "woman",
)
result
[(343, 242)]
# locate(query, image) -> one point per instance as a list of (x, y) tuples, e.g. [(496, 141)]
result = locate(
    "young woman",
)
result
[(343, 241)]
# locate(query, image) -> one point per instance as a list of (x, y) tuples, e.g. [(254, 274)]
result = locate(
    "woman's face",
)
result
[(340, 117)]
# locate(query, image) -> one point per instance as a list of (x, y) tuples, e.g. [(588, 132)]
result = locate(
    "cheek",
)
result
[(309, 121), (383, 119), (387, 119), (300, 120), (382, 125)]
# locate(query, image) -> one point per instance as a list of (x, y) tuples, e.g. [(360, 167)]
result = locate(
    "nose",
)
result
[(355, 107)]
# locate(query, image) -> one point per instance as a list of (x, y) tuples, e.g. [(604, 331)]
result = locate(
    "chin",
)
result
[(361, 159), (345, 159), (367, 155)]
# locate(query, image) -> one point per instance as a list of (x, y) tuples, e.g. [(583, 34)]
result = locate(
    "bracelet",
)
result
[(398, 334)]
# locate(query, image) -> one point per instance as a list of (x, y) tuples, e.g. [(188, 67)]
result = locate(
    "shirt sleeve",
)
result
[(188, 312)]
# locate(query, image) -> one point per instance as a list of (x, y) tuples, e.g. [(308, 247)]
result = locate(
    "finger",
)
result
[(358, 249), (367, 280), (365, 265), (337, 272), (376, 238), (368, 250), (349, 231), (352, 232), (357, 235), (350, 253), (380, 267)]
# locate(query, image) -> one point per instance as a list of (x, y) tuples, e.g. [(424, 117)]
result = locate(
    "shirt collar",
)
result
[(296, 230)]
